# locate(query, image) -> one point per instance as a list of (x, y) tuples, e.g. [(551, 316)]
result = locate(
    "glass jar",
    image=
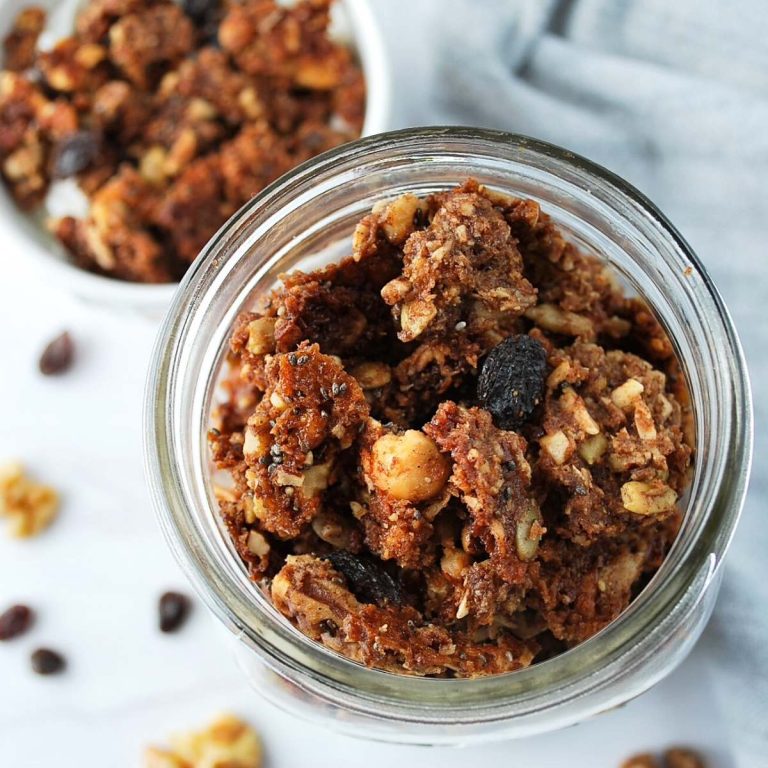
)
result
[(308, 216)]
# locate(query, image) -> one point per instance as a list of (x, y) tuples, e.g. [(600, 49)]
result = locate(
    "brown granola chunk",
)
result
[(21, 43), (266, 39), (141, 42), (466, 255), (311, 411), (314, 595)]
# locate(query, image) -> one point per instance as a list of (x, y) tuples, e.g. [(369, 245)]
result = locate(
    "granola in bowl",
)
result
[(168, 118), (458, 451)]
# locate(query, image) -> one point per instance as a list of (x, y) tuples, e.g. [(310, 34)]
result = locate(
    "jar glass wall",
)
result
[(307, 217)]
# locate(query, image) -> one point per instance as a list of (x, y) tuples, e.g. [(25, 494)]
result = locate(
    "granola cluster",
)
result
[(458, 451), (170, 117)]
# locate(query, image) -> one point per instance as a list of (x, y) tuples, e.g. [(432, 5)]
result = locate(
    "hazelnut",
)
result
[(409, 466)]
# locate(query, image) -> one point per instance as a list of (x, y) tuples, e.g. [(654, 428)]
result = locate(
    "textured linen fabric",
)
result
[(673, 96)]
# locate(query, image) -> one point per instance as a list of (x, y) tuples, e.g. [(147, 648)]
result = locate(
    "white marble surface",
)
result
[(95, 575)]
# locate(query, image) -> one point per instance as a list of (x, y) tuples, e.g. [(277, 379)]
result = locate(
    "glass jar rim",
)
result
[(285, 648)]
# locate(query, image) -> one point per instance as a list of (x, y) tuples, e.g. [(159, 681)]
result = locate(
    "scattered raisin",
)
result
[(47, 662), (74, 154), (511, 382), (15, 621), (367, 579), (173, 609), (58, 355), (199, 10)]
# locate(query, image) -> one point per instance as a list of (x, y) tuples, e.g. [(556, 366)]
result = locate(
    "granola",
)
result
[(460, 450), (169, 117)]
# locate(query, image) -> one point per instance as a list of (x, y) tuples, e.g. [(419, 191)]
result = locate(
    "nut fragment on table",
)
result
[(227, 742), (674, 757), (29, 506)]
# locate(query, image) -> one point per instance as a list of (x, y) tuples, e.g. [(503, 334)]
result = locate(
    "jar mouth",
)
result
[(596, 203)]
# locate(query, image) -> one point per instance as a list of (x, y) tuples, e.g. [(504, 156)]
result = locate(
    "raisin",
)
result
[(173, 609), (15, 621), (366, 577), (511, 382), (74, 154), (199, 9), (47, 662), (58, 355)]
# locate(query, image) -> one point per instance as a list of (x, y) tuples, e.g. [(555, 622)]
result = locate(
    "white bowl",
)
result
[(24, 236)]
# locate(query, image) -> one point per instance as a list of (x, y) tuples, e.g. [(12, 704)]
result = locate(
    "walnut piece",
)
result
[(227, 742), (29, 506)]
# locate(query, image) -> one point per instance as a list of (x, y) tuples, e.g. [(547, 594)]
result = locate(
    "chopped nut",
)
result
[(256, 443), (528, 533), (557, 446), (559, 374), (261, 336), (287, 478), (575, 405), (257, 544), (152, 165), (316, 479), (227, 741), (593, 448), (626, 395), (556, 320), (29, 506), (415, 317), (454, 562), (372, 375), (408, 466), (397, 217), (647, 498), (463, 610), (644, 423)]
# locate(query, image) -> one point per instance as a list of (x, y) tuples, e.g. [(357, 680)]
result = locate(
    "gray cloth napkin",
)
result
[(673, 96)]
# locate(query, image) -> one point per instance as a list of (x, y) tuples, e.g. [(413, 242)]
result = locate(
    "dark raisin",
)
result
[(57, 357), (199, 10), (15, 621), (74, 154), (173, 609), (367, 578), (511, 382), (47, 662)]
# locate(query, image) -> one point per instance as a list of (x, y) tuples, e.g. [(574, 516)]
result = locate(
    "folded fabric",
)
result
[(674, 98)]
